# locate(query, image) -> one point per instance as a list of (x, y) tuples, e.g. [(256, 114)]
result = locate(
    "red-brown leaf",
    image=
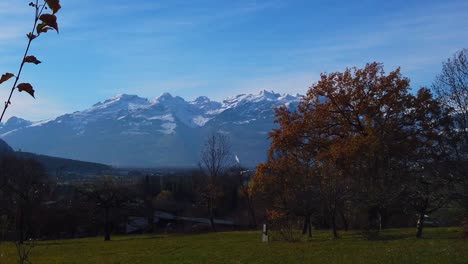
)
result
[(5, 77), (27, 87), (31, 59), (31, 36), (41, 27), (54, 5), (49, 20)]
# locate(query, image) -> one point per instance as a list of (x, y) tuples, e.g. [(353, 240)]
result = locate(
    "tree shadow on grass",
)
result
[(61, 243), (390, 237), (428, 234), (80, 241)]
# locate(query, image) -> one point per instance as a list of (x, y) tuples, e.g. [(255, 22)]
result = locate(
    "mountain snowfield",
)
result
[(128, 130)]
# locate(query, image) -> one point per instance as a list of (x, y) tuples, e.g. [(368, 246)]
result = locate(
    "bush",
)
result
[(285, 225)]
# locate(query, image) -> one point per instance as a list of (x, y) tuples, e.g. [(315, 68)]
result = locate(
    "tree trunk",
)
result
[(420, 223), (149, 205), (374, 219), (253, 217), (324, 218), (345, 221), (383, 213), (307, 228), (150, 219), (20, 227), (379, 219), (150, 225), (333, 220), (107, 228), (422, 213), (251, 211), (212, 223)]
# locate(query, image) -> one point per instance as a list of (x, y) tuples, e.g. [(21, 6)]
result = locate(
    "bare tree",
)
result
[(215, 156), (108, 194), (429, 191), (244, 186), (148, 194), (215, 159), (21, 191), (23, 251), (451, 86), (23, 183)]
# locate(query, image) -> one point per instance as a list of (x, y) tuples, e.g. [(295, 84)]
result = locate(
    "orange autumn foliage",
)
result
[(354, 136)]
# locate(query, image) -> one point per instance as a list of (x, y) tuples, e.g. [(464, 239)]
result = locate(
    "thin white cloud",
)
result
[(190, 16)]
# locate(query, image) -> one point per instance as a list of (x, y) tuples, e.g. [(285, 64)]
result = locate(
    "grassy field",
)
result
[(440, 245)]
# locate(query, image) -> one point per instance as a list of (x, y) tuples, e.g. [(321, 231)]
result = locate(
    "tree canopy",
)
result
[(357, 136)]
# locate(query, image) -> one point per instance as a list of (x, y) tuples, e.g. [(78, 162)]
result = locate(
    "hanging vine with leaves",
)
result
[(43, 22)]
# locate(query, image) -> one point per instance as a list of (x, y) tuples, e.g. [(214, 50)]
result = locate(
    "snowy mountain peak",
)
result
[(13, 123), (268, 94), (262, 96), (201, 100), (130, 130), (164, 97), (121, 101), (288, 97), (16, 121), (126, 98)]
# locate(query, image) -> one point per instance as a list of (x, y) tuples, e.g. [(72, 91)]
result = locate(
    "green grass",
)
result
[(440, 245)]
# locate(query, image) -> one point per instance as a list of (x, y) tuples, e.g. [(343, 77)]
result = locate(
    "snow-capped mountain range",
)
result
[(128, 130)]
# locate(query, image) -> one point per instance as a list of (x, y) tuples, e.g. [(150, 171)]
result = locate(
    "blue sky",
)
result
[(219, 48)]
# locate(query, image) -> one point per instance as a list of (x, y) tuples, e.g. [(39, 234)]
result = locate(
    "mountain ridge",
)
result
[(128, 130), (56, 166)]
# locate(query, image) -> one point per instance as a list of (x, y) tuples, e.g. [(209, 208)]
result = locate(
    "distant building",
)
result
[(163, 220)]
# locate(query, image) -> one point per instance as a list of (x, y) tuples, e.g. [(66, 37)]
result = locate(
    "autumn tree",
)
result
[(330, 168), (431, 177), (273, 186), (165, 201), (215, 158), (243, 181), (335, 191), (43, 22), (362, 112), (355, 136), (288, 179)]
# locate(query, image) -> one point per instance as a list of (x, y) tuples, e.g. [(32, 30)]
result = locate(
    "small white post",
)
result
[(265, 233)]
